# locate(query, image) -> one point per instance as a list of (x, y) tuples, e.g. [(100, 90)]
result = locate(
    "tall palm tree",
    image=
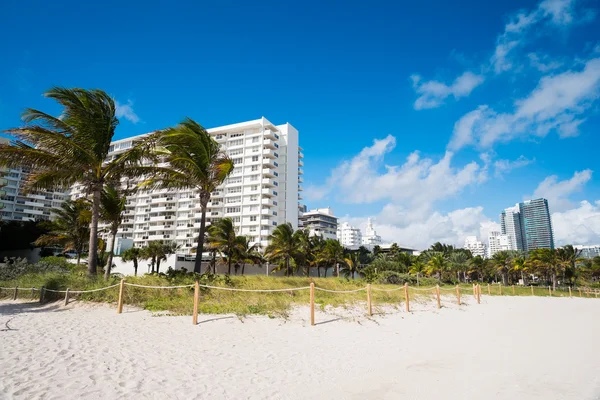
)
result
[(193, 160), (247, 253), (305, 254), (112, 205), (71, 149), (502, 262), (520, 266), (283, 247), (316, 245), (546, 260), (133, 254), (568, 257), (70, 228), (222, 237)]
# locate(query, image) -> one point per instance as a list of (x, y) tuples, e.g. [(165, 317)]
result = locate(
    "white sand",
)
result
[(505, 348)]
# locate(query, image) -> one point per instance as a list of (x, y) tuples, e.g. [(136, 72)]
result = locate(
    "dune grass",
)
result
[(212, 301)]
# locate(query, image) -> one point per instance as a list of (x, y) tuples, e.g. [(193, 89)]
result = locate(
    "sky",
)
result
[(428, 117)]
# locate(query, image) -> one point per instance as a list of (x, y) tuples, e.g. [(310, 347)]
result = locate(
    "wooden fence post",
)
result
[(532, 290), (513, 288), (16, 292), (458, 294), (369, 308), (67, 297), (550, 290), (437, 294), (42, 290), (570, 294), (406, 297), (580, 293), (500, 286), (489, 291), (478, 294), (120, 303), (312, 303), (196, 299)]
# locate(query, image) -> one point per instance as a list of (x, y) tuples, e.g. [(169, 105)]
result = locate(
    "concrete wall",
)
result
[(32, 255)]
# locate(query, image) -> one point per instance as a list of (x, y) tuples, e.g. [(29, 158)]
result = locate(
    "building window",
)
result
[(253, 229), (254, 168), (254, 158), (253, 218), (254, 187)]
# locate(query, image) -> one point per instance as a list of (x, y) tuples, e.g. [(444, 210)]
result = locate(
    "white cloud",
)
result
[(580, 225), (502, 167), (418, 181), (126, 111), (555, 104), (543, 63), (549, 12), (433, 93), (558, 192)]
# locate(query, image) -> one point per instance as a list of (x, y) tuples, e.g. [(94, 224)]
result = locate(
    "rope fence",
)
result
[(588, 292)]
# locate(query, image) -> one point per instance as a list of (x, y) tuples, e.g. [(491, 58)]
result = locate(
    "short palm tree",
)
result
[(331, 254), (418, 268), (70, 228), (247, 253), (222, 237), (112, 205), (194, 161), (157, 251), (283, 247), (438, 263), (351, 264), (133, 254), (71, 149), (305, 253)]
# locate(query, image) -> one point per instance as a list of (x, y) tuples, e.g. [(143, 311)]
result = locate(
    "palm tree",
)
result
[(418, 268), (459, 261), (331, 254), (112, 205), (157, 251), (568, 257), (194, 161), (546, 260), (520, 266), (478, 266), (351, 264), (283, 247), (502, 260), (70, 228), (247, 253), (222, 237), (133, 254), (71, 149), (316, 245), (438, 263), (305, 254)]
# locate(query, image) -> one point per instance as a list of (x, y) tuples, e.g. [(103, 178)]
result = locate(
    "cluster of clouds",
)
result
[(126, 111), (411, 191)]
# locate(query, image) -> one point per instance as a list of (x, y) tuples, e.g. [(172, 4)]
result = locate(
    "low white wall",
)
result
[(32, 255)]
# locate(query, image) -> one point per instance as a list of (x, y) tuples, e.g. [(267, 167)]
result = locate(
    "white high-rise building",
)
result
[(262, 192), (476, 247), (497, 242), (349, 236), (321, 222), (510, 223), (20, 206), (371, 238)]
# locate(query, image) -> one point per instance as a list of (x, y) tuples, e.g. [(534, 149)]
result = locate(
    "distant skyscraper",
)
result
[(510, 223), (476, 247), (536, 225), (349, 236)]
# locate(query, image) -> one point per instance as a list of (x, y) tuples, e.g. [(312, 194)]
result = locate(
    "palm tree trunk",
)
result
[(318, 271), (228, 265), (243, 266), (110, 256), (200, 247), (78, 257), (93, 246), (135, 266), (157, 265), (417, 279)]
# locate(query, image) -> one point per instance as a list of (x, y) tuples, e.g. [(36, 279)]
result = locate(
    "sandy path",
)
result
[(505, 348)]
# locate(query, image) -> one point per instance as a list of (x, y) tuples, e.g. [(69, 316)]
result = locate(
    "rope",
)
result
[(158, 287), (424, 289), (340, 291), (81, 291), (254, 290), (387, 290), (21, 288)]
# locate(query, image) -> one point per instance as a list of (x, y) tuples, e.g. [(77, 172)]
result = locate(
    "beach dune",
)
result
[(504, 348)]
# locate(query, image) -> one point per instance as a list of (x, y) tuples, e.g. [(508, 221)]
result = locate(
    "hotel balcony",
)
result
[(162, 208), (300, 188), (268, 163), (269, 134), (267, 192), (267, 173), (300, 154), (300, 171), (300, 163), (269, 153), (268, 182), (269, 143), (267, 202)]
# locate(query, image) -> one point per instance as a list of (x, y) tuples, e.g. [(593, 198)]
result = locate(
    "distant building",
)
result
[(588, 251), (536, 225), (510, 223), (349, 236), (321, 222), (16, 205), (497, 242), (528, 225), (371, 238), (476, 247)]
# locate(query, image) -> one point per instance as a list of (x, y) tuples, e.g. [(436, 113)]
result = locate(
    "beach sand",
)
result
[(504, 348)]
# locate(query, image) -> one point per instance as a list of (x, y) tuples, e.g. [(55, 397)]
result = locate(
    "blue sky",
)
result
[(430, 118)]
